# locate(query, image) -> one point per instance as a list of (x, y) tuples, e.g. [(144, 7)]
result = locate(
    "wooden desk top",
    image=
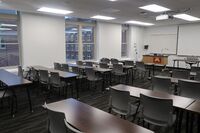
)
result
[(61, 73), (92, 120), (178, 101), (194, 107), (12, 80)]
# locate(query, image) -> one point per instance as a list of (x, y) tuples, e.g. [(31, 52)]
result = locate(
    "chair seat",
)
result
[(162, 124), (7, 94), (131, 111), (94, 79), (119, 74)]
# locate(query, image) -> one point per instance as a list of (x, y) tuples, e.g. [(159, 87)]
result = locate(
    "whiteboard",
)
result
[(189, 40), (163, 43)]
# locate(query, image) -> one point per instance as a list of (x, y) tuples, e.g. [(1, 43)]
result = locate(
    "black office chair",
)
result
[(162, 84), (44, 80), (157, 111), (88, 63), (57, 66), (65, 67), (189, 88), (5, 94), (114, 61), (20, 71), (55, 121), (129, 63), (120, 103), (118, 73), (56, 83), (195, 69), (79, 63), (103, 65), (181, 74), (92, 78), (141, 70), (105, 60), (197, 77)]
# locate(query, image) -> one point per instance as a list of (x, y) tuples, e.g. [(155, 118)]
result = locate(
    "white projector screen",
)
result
[(189, 40)]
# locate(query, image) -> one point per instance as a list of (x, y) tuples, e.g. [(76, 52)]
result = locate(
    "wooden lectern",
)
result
[(155, 59)]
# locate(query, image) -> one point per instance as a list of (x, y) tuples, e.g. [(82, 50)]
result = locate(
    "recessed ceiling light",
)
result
[(103, 17), (139, 23), (54, 10), (154, 8), (9, 25), (186, 17)]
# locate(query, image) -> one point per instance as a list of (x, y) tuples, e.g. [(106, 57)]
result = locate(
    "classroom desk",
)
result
[(183, 60), (14, 82), (64, 75), (89, 119), (194, 108), (178, 101)]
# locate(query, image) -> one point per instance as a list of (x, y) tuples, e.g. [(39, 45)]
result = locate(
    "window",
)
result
[(9, 45), (71, 34), (124, 46), (88, 42), (80, 39)]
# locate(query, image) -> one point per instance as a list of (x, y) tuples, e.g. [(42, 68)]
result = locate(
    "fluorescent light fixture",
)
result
[(154, 8), (186, 17), (5, 29), (139, 23), (103, 17), (112, 0), (54, 10), (162, 17), (8, 25)]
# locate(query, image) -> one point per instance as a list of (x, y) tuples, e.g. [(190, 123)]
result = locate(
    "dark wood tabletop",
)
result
[(12, 80), (61, 73), (178, 101), (194, 107), (92, 120)]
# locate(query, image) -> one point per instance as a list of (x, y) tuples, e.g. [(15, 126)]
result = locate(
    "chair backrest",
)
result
[(156, 110), (129, 63), (114, 61), (195, 69), (165, 73), (56, 121), (90, 73), (105, 60), (65, 67), (34, 75), (140, 65), (103, 65), (118, 68), (20, 71), (197, 76), (88, 63), (183, 74), (75, 70), (119, 100), (71, 128), (43, 76), (189, 88), (80, 63), (57, 66), (161, 84), (55, 78)]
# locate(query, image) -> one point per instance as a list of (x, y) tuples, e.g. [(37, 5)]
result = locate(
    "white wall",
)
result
[(43, 39), (108, 40), (136, 42)]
